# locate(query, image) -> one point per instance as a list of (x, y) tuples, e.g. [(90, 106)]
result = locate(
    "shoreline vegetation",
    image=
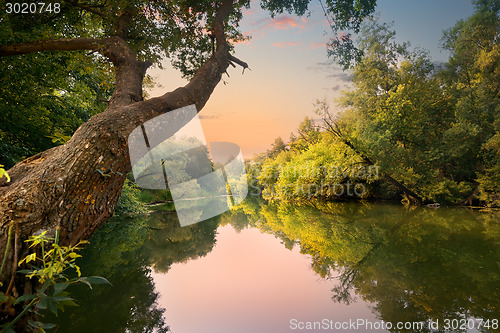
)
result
[(408, 130), (431, 132)]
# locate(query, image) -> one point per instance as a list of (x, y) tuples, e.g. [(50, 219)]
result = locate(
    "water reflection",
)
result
[(414, 265), (408, 265), (126, 253)]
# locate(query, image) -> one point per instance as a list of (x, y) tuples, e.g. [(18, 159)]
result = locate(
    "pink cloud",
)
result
[(285, 44), (316, 45), (280, 23), (284, 22)]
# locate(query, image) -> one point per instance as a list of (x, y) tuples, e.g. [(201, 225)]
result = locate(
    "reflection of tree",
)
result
[(169, 243), (438, 265), (125, 253), (179, 160), (413, 265), (350, 273)]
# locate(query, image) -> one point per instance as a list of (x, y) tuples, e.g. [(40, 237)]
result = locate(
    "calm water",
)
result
[(284, 268)]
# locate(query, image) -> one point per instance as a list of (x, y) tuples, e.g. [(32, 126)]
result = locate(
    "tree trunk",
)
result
[(62, 187)]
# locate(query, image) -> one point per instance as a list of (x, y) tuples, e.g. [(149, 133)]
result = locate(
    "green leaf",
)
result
[(60, 287), (26, 271), (43, 303), (4, 173), (48, 326), (62, 298), (67, 303), (24, 298), (28, 258), (74, 255), (53, 306), (97, 280), (77, 268), (84, 280), (40, 325), (93, 280), (59, 138)]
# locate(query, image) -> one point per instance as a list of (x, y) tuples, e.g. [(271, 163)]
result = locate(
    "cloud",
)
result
[(331, 71), (343, 76), (313, 46), (322, 66), (286, 44), (283, 22), (212, 116)]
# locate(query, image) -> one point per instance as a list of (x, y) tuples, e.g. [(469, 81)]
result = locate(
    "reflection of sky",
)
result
[(290, 69), (249, 283)]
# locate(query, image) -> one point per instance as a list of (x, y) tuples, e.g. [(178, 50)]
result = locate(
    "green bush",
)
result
[(129, 202)]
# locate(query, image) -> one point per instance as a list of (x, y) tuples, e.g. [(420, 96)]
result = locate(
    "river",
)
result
[(276, 268)]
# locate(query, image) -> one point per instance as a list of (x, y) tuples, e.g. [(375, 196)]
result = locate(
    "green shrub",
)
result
[(129, 202)]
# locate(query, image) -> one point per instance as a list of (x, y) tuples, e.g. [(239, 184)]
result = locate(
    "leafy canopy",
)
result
[(44, 97), (434, 129)]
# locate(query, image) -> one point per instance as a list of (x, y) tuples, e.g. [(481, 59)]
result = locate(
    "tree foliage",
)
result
[(471, 79), (46, 96), (433, 130)]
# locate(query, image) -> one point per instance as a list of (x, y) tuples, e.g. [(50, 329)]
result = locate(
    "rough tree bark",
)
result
[(61, 187)]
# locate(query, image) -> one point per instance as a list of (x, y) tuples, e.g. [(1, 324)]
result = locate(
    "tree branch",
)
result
[(54, 45), (218, 25), (197, 91), (334, 128), (129, 71), (86, 8), (122, 22), (239, 62)]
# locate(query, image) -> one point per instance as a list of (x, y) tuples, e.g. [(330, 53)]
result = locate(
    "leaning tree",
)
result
[(62, 186)]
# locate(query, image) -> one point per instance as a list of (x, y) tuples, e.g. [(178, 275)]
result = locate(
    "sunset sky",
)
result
[(290, 69)]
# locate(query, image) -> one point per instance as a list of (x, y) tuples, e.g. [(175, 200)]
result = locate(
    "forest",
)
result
[(409, 129)]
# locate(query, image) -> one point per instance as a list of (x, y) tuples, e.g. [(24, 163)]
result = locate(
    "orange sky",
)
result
[(290, 69)]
